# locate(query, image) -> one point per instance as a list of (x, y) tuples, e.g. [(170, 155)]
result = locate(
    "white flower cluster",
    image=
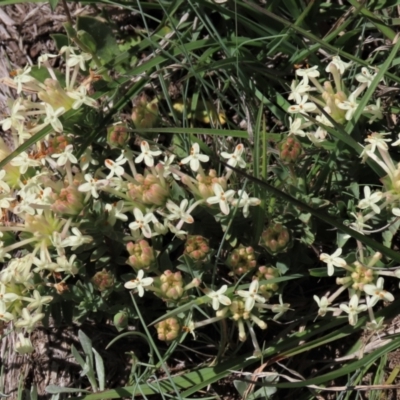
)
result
[(336, 100)]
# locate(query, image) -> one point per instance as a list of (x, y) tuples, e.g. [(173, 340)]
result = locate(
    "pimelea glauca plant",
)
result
[(73, 212)]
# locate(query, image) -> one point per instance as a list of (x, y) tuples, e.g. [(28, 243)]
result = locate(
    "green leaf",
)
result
[(53, 4), (102, 34)]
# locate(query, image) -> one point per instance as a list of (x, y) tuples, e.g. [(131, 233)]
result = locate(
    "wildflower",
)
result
[(218, 297), (298, 90), (80, 96), (142, 222), (353, 309), (76, 240), (221, 197), (236, 157), (295, 127), (91, 185), (350, 105), (147, 155), (23, 161), (65, 156), (23, 77), (139, 283), (167, 164), (323, 305), (67, 265), (375, 110), (141, 255), (77, 59), (377, 140), (339, 64), (179, 212), (333, 260), (195, 157), (308, 73), (377, 292), (4, 314), (370, 200), (44, 58), (115, 167), (303, 107), (37, 301), (52, 117), (16, 116), (28, 321), (279, 309), (365, 76), (245, 201), (251, 295)]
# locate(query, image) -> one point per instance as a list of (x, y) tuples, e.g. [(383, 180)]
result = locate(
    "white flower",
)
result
[(298, 90), (23, 77), (218, 297), (179, 212), (139, 283), (78, 59), (303, 107), (92, 185), (236, 157), (308, 73), (340, 65), (4, 314), (333, 260), (147, 155), (80, 96), (353, 309), (377, 140), (167, 164), (65, 156), (323, 304), (359, 224), (365, 76), (296, 127), (142, 222), (115, 167), (16, 116), (116, 212), (87, 159), (179, 233), (195, 157), (37, 301), (251, 295), (28, 320), (350, 105), (76, 240), (245, 201), (44, 58), (67, 265), (221, 197), (375, 111), (370, 200), (52, 117), (377, 292), (24, 162)]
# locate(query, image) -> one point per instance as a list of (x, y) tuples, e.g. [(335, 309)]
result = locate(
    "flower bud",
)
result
[(145, 114), (168, 329), (197, 248), (169, 285), (267, 273), (242, 260), (103, 280), (117, 135), (121, 320), (275, 239), (55, 95), (149, 190), (141, 255), (69, 202), (290, 150)]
